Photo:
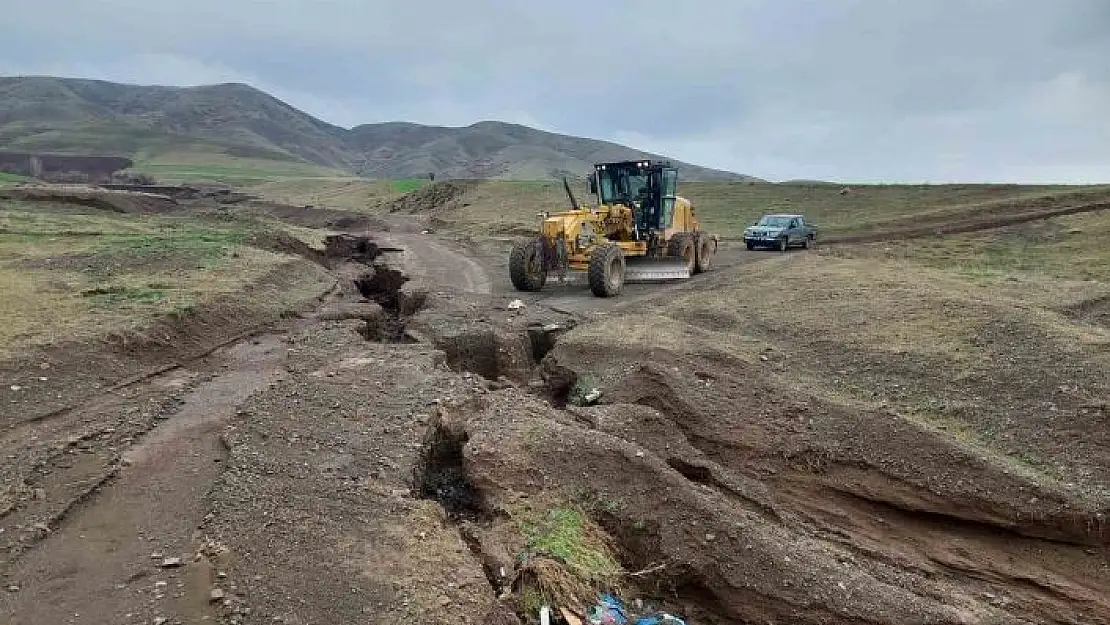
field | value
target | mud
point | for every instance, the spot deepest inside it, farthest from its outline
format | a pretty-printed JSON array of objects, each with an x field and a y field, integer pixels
[
  {"x": 313, "y": 217},
  {"x": 151, "y": 505},
  {"x": 1094, "y": 311}
]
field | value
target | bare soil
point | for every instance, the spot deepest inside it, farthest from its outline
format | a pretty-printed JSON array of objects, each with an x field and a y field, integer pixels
[{"x": 372, "y": 455}]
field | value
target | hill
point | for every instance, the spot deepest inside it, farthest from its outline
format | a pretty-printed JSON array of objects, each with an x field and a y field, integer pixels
[{"x": 240, "y": 126}]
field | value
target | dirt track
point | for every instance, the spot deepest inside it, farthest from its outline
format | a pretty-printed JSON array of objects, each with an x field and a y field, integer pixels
[{"x": 288, "y": 456}]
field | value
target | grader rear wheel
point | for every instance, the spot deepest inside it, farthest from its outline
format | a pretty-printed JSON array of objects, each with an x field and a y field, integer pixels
[
  {"x": 682, "y": 246},
  {"x": 526, "y": 265},
  {"x": 706, "y": 247},
  {"x": 606, "y": 271}
]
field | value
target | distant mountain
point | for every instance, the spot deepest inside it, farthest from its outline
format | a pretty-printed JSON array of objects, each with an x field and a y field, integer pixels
[{"x": 90, "y": 117}]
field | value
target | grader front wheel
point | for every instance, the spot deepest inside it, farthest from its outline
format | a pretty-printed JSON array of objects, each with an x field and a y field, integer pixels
[
  {"x": 706, "y": 247},
  {"x": 526, "y": 266},
  {"x": 682, "y": 247},
  {"x": 606, "y": 271}
]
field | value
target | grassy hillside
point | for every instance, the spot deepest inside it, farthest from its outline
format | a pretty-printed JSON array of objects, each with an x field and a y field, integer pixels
[{"x": 171, "y": 130}]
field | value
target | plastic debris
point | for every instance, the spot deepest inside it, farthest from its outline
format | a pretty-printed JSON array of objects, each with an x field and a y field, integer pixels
[
  {"x": 608, "y": 611},
  {"x": 515, "y": 305},
  {"x": 592, "y": 396},
  {"x": 660, "y": 618}
]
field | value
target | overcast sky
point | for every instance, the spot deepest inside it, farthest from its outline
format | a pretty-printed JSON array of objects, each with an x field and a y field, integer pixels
[{"x": 864, "y": 90}]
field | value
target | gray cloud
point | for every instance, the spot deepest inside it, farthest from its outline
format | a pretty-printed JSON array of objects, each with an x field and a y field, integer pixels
[{"x": 853, "y": 89}]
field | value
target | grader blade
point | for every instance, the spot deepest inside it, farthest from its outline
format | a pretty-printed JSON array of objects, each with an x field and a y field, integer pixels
[{"x": 654, "y": 270}]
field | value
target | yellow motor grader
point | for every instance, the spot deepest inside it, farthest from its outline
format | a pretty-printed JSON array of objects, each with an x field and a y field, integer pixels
[{"x": 640, "y": 231}]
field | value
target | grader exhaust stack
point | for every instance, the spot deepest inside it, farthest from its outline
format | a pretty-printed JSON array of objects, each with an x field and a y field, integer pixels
[{"x": 640, "y": 231}]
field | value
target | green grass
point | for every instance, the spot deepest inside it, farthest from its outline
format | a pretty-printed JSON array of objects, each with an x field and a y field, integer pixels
[
  {"x": 6, "y": 178},
  {"x": 408, "y": 185},
  {"x": 183, "y": 240},
  {"x": 562, "y": 535}
]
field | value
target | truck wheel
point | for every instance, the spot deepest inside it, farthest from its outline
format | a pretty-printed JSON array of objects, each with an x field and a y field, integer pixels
[
  {"x": 705, "y": 249},
  {"x": 526, "y": 266},
  {"x": 805, "y": 243},
  {"x": 606, "y": 270},
  {"x": 784, "y": 243},
  {"x": 682, "y": 246},
  {"x": 751, "y": 246}
]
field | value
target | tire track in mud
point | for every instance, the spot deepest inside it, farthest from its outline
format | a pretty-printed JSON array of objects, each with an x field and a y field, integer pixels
[
  {"x": 97, "y": 560},
  {"x": 963, "y": 226}
]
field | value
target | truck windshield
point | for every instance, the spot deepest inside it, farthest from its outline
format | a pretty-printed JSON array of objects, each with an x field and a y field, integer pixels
[{"x": 775, "y": 221}]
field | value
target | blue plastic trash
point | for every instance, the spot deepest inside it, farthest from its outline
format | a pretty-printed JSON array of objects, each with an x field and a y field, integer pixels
[{"x": 608, "y": 611}]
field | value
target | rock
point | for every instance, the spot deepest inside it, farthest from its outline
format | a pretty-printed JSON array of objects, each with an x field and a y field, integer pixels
[
  {"x": 13, "y": 588},
  {"x": 411, "y": 298},
  {"x": 39, "y": 494},
  {"x": 160, "y": 620},
  {"x": 171, "y": 563},
  {"x": 217, "y": 594},
  {"x": 515, "y": 305}
]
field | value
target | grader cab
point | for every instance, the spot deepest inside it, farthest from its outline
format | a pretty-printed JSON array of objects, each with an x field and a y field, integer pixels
[{"x": 639, "y": 231}]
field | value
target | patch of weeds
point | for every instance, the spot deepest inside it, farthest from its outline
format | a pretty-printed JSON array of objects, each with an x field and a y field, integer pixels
[
  {"x": 205, "y": 244},
  {"x": 581, "y": 389},
  {"x": 566, "y": 535},
  {"x": 182, "y": 311},
  {"x": 116, "y": 295},
  {"x": 533, "y": 599},
  {"x": 408, "y": 185}
]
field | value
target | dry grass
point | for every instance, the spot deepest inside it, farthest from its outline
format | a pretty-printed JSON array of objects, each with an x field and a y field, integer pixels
[
  {"x": 727, "y": 208},
  {"x": 944, "y": 333},
  {"x": 1071, "y": 249},
  {"x": 510, "y": 207},
  {"x": 352, "y": 194},
  {"x": 185, "y": 165},
  {"x": 67, "y": 275}
]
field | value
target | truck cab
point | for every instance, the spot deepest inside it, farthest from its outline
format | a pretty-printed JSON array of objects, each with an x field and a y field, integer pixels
[{"x": 780, "y": 231}]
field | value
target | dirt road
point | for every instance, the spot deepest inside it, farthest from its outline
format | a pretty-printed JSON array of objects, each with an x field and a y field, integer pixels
[{"x": 575, "y": 297}]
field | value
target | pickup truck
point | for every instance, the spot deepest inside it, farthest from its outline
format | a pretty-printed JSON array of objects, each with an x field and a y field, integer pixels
[{"x": 780, "y": 232}]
